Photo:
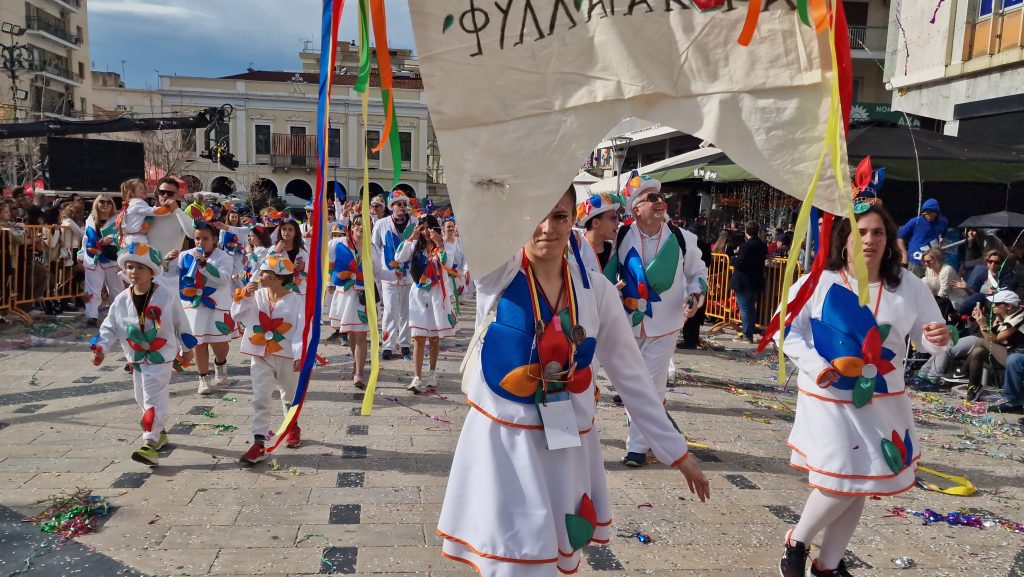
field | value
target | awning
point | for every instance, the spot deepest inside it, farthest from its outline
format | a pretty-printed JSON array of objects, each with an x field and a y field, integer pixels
[{"x": 668, "y": 170}]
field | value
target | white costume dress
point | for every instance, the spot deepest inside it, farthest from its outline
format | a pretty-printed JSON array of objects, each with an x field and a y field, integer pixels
[
  {"x": 206, "y": 294},
  {"x": 273, "y": 340},
  {"x": 838, "y": 444},
  {"x": 301, "y": 262},
  {"x": 100, "y": 264},
  {"x": 348, "y": 307},
  {"x": 151, "y": 349},
  {"x": 232, "y": 241},
  {"x": 395, "y": 290},
  {"x": 508, "y": 496},
  {"x": 431, "y": 312},
  {"x": 659, "y": 276}
]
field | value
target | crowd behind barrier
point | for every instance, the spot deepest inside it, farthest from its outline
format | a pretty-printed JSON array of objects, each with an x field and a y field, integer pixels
[
  {"x": 721, "y": 303},
  {"x": 40, "y": 265}
]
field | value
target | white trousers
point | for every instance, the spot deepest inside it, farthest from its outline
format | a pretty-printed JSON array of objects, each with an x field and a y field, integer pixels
[
  {"x": 153, "y": 390},
  {"x": 95, "y": 279},
  {"x": 396, "y": 316},
  {"x": 657, "y": 353},
  {"x": 270, "y": 374}
]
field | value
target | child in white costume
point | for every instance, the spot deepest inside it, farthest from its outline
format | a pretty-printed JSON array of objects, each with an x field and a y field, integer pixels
[
  {"x": 148, "y": 320},
  {"x": 136, "y": 215},
  {"x": 273, "y": 317},
  {"x": 512, "y": 506},
  {"x": 854, "y": 429},
  {"x": 99, "y": 257},
  {"x": 289, "y": 241},
  {"x": 431, "y": 315},
  {"x": 205, "y": 287}
]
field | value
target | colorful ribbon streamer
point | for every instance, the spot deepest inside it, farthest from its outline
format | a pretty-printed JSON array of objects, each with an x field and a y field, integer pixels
[{"x": 330, "y": 19}]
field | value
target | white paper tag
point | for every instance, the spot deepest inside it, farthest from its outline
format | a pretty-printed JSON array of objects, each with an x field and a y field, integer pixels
[{"x": 559, "y": 423}]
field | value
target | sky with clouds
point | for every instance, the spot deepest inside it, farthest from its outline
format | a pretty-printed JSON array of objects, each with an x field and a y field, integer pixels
[{"x": 215, "y": 37}]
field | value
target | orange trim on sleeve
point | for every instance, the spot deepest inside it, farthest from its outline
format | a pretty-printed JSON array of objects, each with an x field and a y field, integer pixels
[
  {"x": 839, "y": 402},
  {"x": 495, "y": 557},
  {"x": 685, "y": 456}
]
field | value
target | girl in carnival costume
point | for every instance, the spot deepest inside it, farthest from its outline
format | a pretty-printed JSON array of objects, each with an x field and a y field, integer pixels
[
  {"x": 232, "y": 235},
  {"x": 257, "y": 248},
  {"x": 527, "y": 487},
  {"x": 854, "y": 429},
  {"x": 99, "y": 257},
  {"x": 148, "y": 320},
  {"x": 459, "y": 272},
  {"x": 204, "y": 284},
  {"x": 273, "y": 317},
  {"x": 136, "y": 215},
  {"x": 290, "y": 242},
  {"x": 348, "y": 309},
  {"x": 430, "y": 305}
]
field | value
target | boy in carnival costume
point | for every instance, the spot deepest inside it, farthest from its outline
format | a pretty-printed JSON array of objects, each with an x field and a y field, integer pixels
[
  {"x": 273, "y": 317},
  {"x": 148, "y": 320}
]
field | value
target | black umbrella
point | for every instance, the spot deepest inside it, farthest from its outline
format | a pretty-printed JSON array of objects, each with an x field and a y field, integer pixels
[{"x": 1001, "y": 219}]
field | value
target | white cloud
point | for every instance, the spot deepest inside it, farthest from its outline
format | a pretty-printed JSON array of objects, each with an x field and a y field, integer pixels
[{"x": 141, "y": 9}]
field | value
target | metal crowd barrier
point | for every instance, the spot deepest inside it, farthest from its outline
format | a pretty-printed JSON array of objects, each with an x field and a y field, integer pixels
[
  {"x": 721, "y": 303},
  {"x": 36, "y": 269}
]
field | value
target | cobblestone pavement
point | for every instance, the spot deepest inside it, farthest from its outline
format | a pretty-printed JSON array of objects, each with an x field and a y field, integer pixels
[{"x": 362, "y": 494}]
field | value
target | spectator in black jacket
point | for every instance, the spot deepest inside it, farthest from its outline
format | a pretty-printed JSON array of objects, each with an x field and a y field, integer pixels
[{"x": 747, "y": 279}]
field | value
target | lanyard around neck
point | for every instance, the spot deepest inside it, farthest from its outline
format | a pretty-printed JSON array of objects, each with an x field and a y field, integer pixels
[{"x": 878, "y": 299}]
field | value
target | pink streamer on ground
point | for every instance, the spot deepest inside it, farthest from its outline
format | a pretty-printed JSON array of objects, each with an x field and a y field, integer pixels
[{"x": 431, "y": 417}]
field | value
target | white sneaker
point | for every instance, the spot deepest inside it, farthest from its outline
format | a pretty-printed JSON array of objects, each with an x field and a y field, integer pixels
[
  {"x": 220, "y": 375},
  {"x": 417, "y": 386},
  {"x": 204, "y": 385},
  {"x": 431, "y": 381}
]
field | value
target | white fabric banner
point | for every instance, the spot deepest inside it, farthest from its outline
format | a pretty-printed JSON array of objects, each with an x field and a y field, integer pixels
[{"x": 520, "y": 91}]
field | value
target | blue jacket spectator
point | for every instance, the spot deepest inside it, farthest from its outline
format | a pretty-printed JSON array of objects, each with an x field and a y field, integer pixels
[{"x": 921, "y": 233}]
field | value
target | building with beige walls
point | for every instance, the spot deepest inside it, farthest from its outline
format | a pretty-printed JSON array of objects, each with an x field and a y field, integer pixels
[{"x": 53, "y": 80}]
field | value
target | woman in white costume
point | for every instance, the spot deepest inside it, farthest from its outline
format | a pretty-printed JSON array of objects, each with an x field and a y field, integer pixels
[
  {"x": 99, "y": 257},
  {"x": 854, "y": 429},
  {"x": 431, "y": 313},
  {"x": 514, "y": 507}
]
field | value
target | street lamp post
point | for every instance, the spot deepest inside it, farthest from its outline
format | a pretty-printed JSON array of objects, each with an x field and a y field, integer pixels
[
  {"x": 619, "y": 142},
  {"x": 14, "y": 57}
]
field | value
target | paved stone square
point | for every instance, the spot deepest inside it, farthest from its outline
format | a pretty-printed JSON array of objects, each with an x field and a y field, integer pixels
[{"x": 362, "y": 494}]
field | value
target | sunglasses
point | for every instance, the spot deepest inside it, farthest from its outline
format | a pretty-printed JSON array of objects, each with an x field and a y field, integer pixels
[
  {"x": 653, "y": 197},
  {"x": 104, "y": 202},
  {"x": 166, "y": 192}
]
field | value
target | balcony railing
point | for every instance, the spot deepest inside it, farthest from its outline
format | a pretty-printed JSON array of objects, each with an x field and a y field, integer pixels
[
  {"x": 53, "y": 28},
  {"x": 73, "y": 5},
  {"x": 869, "y": 38},
  {"x": 293, "y": 150},
  {"x": 58, "y": 71}
]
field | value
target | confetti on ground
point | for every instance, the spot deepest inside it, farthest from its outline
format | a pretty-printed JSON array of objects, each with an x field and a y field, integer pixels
[
  {"x": 69, "y": 516},
  {"x": 431, "y": 417}
]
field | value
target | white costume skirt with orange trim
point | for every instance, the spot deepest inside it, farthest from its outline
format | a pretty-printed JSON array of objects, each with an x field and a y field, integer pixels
[
  {"x": 346, "y": 311},
  {"x": 840, "y": 446},
  {"x": 508, "y": 495},
  {"x": 210, "y": 325},
  {"x": 431, "y": 313}
]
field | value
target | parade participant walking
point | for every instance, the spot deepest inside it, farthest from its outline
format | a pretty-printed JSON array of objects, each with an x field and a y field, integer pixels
[
  {"x": 348, "y": 308},
  {"x": 920, "y": 234},
  {"x": 151, "y": 326},
  {"x": 273, "y": 317},
  {"x": 664, "y": 281},
  {"x": 256, "y": 249},
  {"x": 430, "y": 306},
  {"x": 747, "y": 279},
  {"x": 599, "y": 217},
  {"x": 517, "y": 503},
  {"x": 854, "y": 429},
  {"x": 168, "y": 235},
  {"x": 388, "y": 233},
  {"x": 290, "y": 243},
  {"x": 99, "y": 257},
  {"x": 137, "y": 216},
  {"x": 205, "y": 286},
  {"x": 231, "y": 238},
  {"x": 377, "y": 210},
  {"x": 458, "y": 270}
]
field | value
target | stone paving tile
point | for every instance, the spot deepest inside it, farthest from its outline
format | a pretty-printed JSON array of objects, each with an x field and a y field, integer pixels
[
  {"x": 191, "y": 562},
  {"x": 364, "y": 535}
]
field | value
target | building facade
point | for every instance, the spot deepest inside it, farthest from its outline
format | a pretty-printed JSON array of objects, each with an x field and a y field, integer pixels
[
  {"x": 963, "y": 66},
  {"x": 46, "y": 54}
]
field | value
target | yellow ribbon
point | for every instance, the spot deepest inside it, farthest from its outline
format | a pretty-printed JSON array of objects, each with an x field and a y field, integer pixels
[
  {"x": 369, "y": 287},
  {"x": 963, "y": 486}
]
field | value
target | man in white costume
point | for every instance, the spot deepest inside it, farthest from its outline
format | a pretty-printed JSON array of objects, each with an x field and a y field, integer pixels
[
  {"x": 388, "y": 233},
  {"x": 663, "y": 282}
]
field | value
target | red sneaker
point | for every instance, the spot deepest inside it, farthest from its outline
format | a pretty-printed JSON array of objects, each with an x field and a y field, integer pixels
[
  {"x": 255, "y": 454},
  {"x": 293, "y": 438}
]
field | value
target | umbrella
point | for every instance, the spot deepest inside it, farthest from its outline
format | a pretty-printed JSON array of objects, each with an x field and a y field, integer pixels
[{"x": 1001, "y": 219}]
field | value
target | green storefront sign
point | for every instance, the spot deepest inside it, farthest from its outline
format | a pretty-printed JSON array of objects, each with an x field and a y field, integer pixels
[{"x": 865, "y": 111}]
